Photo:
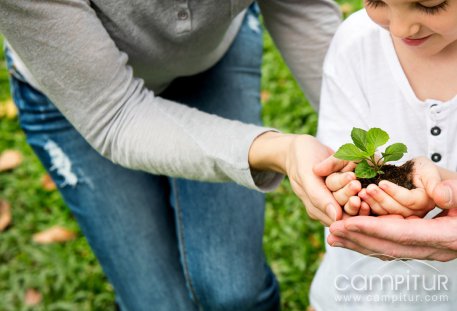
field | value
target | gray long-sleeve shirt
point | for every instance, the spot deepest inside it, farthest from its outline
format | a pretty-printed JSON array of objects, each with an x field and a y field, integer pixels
[{"x": 104, "y": 62}]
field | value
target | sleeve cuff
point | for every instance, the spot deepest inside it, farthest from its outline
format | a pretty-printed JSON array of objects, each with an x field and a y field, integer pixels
[{"x": 263, "y": 181}]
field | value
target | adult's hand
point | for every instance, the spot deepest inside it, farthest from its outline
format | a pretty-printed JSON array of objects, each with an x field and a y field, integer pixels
[
  {"x": 432, "y": 239},
  {"x": 295, "y": 156}
]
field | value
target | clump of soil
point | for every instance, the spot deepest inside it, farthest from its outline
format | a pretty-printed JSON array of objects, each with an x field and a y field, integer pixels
[{"x": 400, "y": 175}]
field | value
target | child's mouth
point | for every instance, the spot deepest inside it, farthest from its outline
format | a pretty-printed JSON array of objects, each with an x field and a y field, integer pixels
[{"x": 415, "y": 42}]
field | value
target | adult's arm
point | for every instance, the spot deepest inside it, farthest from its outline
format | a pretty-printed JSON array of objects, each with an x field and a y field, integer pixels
[
  {"x": 343, "y": 105},
  {"x": 79, "y": 67},
  {"x": 302, "y": 31},
  {"x": 431, "y": 239},
  {"x": 302, "y": 153}
]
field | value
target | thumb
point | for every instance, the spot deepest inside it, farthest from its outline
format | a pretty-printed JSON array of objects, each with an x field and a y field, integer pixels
[
  {"x": 429, "y": 178},
  {"x": 332, "y": 165},
  {"x": 445, "y": 194}
]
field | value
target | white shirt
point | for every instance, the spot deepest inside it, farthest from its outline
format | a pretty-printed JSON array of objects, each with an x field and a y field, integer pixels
[{"x": 364, "y": 86}]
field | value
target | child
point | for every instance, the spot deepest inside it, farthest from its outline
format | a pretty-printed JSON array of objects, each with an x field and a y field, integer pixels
[{"x": 391, "y": 66}]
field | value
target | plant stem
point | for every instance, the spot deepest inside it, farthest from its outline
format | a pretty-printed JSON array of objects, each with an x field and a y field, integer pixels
[{"x": 373, "y": 161}]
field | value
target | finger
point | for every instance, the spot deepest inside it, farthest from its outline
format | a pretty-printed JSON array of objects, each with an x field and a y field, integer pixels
[
  {"x": 316, "y": 214},
  {"x": 352, "y": 189},
  {"x": 319, "y": 198},
  {"x": 332, "y": 165},
  {"x": 370, "y": 245},
  {"x": 449, "y": 212},
  {"x": 350, "y": 167},
  {"x": 319, "y": 194},
  {"x": 392, "y": 216},
  {"x": 335, "y": 241},
  {"x": 364, "y": 209},
  {"x": 307, "y": 185},
  {"x": 414, "y": 199},
  {"x": 385, "y": 249},
  {"x": 445, "y": 194},
  {"x": 374, "y": 206},
  {"x": 401, "y": 194},
  {"x": 345, "y": 216},
  {"x": 337, "y": 181},
  {"x": 425, "y": 174},
  {"x": 417, "y": 232},
  {"x": 382, "y": 200},
  {"x": 352, "y": 207},
  {"x": 337, "y": 238}
]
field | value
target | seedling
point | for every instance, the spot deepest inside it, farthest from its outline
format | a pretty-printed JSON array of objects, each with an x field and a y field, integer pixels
[{"x": 364, "y": 151}]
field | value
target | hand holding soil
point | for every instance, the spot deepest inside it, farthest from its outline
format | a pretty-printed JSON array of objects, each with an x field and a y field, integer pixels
[
  {"x": 432, "y": 239},
  {"x": 376, "y": 188}
]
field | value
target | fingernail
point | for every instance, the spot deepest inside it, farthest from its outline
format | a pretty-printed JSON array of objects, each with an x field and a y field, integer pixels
[
  {"x": 330, "y": 209},
  {"x": 372, "y": 189},
  {"x": 352, "y": 228},
  {"x": 383, "y": 184}
]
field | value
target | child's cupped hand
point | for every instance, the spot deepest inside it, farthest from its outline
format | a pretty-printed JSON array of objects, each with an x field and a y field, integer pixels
[
  {"x": 345, "y": 188},
  {"x": 387, "y": 198},
  {"x": 341, "y": 181}
]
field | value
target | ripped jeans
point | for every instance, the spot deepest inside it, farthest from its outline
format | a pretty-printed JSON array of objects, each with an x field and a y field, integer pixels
[{"x": 165, "y": 243}]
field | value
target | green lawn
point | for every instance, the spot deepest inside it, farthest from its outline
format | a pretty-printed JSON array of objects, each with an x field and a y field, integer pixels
[{"x": 68, "y": 276}]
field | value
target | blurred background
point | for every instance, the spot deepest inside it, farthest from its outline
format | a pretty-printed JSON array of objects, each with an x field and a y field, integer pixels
[{"x": 45, "y": 261}]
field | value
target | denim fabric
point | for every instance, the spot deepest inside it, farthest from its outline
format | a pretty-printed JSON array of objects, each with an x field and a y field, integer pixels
[{"x": 166, "y": 243}]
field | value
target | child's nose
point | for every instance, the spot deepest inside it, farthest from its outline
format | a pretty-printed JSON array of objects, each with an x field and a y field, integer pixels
[{"x": 403, "y": 26}]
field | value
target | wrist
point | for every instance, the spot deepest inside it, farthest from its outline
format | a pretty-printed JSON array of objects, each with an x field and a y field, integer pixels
[{"x": 268, "y": 152}]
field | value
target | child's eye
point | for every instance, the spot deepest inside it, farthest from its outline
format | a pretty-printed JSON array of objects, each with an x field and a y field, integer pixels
[
  {"x": 374, "y": 3},
  {"x": 432, "y": 9}
]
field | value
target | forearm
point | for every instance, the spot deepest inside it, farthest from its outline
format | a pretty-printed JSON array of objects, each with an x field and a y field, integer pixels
[
  {"x": 268, "y": 152},
  {"x": 81, "y": 70}
]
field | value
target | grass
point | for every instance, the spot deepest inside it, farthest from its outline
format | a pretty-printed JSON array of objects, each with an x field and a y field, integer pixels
[{"x": 68, "y": 275}]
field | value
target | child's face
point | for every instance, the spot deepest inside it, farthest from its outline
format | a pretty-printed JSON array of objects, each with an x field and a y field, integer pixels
[{"x": 428, "y": 27}]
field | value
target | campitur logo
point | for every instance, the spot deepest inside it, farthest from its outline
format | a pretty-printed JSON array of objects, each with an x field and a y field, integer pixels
[{"x": 399, "y": 280}]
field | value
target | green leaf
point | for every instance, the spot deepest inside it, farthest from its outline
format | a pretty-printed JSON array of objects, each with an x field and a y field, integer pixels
[
  {"x": 350, "y": 152},
  {"x": 365, "y": 170},
  {"x": 359, "y": 137},
  {"x": 394, "y": 152},
  {"x": 376, "y": 138}
]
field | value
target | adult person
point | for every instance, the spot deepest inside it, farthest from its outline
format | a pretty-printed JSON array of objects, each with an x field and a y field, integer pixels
[{"x": 160, "y": 88}]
